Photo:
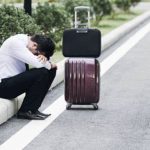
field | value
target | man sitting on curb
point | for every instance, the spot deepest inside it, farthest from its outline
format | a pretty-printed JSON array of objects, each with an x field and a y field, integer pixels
[{"x": 16, "y": 53}]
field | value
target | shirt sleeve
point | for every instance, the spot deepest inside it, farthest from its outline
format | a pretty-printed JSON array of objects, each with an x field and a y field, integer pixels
[{"x": 22, "y": 53}]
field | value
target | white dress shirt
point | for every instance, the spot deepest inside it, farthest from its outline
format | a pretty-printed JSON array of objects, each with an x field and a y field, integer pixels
[{"x": 14, "y": 54}]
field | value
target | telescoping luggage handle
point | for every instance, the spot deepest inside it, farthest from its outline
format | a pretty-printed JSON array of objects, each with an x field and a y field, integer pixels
[
  {"x": 81, "y": 42},
  {"x": 77, "y": 23}
]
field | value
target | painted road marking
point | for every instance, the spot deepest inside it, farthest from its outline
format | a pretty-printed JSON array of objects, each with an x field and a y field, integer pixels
[{"x": 25, "y": 135}]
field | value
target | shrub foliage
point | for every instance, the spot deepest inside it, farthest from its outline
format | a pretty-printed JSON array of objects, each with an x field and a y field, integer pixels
[
  {"x": 52, "y": 19},
  {"x": 14, "y": 21}
]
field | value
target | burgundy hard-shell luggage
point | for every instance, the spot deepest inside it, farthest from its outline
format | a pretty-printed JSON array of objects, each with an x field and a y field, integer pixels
[{"x": 82, "y": 82}]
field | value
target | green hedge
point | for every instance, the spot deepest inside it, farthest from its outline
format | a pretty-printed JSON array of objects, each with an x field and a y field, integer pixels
[
  {"x": 125, "y": 4},
  {"x": 14, "y": 21},
  {"x": 101, "y": 8},
  {"x": 52, "y": 19}
]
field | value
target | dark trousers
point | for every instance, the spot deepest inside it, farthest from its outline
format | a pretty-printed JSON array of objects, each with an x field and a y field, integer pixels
[{"x": 35, "y": 83}]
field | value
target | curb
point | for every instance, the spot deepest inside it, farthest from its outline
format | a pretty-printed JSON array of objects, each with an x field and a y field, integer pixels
[
  {"x": 8, "y": 108},
  {"x": 119, "y": 32}
]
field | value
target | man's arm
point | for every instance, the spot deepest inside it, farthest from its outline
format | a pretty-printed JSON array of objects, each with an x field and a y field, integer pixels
[
  {"x": 21, "y": 52},
  {"x": 43, "y": 59}
]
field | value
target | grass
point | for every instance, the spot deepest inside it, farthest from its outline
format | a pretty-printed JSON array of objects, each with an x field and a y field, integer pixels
[
  {"x": 107, "y": 24},
  {"x": 57, "y": 56}
]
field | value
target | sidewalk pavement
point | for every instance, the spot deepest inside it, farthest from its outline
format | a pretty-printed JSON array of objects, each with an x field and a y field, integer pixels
[{"x": 8, "y": 108}]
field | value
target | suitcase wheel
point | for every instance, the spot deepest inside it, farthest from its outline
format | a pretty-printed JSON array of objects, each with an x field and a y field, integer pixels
[
  {"x": 95, "y": 106},
  {"x": 68, "y": 107}
]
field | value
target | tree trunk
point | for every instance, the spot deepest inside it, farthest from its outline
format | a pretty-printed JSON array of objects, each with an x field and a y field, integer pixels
[{"x": 27, "y": 6}]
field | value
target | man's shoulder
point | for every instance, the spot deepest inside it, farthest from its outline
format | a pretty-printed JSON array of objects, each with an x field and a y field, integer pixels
[{"x": 20, "y": 36}]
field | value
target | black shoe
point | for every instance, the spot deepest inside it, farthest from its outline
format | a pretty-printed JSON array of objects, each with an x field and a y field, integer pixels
[
  {"x": 42, "y": 114},
  {"x": 30, "y": 116}
]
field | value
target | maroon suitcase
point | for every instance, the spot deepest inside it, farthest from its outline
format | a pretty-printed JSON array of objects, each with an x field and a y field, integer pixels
[{"x": 82, "y": 82}]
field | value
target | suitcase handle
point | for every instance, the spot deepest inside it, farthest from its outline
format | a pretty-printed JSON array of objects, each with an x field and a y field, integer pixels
[
  {"x": 82, "y": 30},
  {"x": 81, "y": 8}
]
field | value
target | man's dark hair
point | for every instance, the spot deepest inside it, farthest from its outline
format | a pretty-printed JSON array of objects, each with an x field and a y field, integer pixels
[{"x": 45, "y": 45}]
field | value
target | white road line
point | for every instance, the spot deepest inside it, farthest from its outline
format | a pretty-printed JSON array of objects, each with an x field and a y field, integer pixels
[
  {"x": 25, "y": 135},
  {"x": 123, "y": 49}
]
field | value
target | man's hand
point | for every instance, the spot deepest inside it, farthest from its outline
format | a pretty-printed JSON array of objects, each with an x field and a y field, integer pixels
[
  {"x": 53, "y": 66},
  {"x": 42, "y": 58}
]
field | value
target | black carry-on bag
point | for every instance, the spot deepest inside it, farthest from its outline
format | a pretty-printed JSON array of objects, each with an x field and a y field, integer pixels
[
  {"x": 82, "y": 70},
  {"x": 82, "y": 41}
]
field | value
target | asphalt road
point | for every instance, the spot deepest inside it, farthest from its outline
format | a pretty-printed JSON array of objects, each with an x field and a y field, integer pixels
[{"x": 121, "y": 123}]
